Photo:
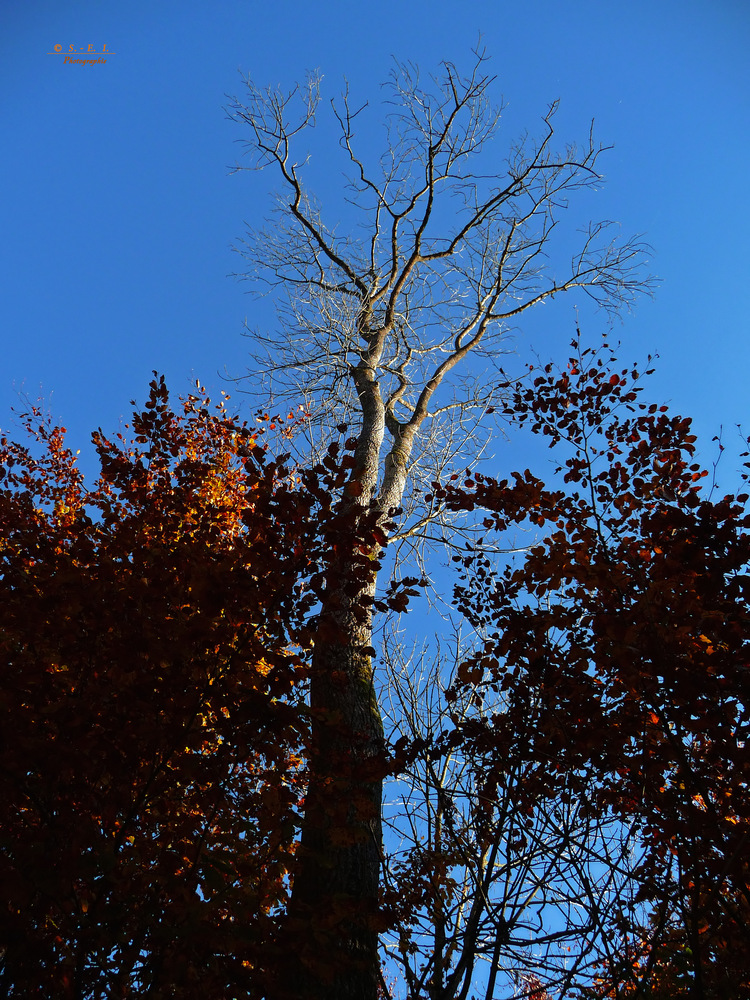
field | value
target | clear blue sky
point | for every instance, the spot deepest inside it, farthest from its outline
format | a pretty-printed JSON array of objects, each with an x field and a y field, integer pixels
[{"x": 119, "y": 210}]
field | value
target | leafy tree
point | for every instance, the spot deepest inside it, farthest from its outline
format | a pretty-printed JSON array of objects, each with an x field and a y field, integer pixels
[
  {"x": 152, "y": 759},
  {"x": 601, "y": 725}
]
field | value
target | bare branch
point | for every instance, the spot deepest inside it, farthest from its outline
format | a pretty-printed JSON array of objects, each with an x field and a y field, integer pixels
[{"x": 428, "y": 262}]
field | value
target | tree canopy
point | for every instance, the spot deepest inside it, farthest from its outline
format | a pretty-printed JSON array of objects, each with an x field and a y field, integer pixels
[
  {"x": 573, "y": 803},
  {"x": 151, "y": 760},
  {"x": 609, "y": 696}
]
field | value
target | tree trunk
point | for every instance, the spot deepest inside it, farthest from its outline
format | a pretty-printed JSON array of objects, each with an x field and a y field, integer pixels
[
  {"x": 333, "y": 915},
  {"x": 335, "y": 896}
]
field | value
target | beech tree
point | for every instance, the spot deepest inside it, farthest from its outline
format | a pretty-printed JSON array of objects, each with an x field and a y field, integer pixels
[
  {"x": 152, "y": 759},
  {"x": 390, "y": 319},
  {"x": 602, "y": 817}
]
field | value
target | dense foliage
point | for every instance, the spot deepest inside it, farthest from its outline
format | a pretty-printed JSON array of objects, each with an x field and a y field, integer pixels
[
  {"x": 575, "y": 812},
  {"x": 151, "y": 759}
]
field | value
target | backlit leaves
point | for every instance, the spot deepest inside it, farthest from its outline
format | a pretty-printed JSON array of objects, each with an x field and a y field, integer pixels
[
  {"x": 152, "y": 630},
  {"x": 621, "y": 644}
]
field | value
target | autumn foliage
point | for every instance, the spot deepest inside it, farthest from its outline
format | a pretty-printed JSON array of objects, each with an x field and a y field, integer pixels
[
  {"x": 619, "y": 646},
  {"x": 152, "y": 680},
  {"x": 156, "y": 633}
]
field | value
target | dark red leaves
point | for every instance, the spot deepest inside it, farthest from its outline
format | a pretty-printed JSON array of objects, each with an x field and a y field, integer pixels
[
  {"x": 152, "y": 631},
  {"x": 622, "y": 652}
]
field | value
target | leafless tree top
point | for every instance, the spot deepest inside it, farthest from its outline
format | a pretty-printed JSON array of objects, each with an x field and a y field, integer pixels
[{"x": 443, "y": 244}]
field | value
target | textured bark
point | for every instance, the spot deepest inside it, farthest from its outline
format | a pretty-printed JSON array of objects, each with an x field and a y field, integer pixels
[
  {"x": 335, "y": 896},
  {"x": 336, "y": 890}
]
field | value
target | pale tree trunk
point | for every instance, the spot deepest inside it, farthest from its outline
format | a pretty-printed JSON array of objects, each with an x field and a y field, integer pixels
[{"x": 334, "y": 907}]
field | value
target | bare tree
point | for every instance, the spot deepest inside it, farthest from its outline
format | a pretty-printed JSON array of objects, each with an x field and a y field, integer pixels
[
  {"x": 508, "y": 898},
  {"x": 396, "y": 326}
]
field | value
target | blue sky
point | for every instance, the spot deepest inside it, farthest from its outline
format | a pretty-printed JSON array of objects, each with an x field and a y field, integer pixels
[{"x": 119, "y": 208}]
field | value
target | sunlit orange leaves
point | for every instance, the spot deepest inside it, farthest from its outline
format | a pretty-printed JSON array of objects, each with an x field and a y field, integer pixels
[{"x": 152, "y": 630}]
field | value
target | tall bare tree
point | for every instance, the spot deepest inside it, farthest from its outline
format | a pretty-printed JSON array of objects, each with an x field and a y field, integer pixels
[{"x": 393, "y": 320}]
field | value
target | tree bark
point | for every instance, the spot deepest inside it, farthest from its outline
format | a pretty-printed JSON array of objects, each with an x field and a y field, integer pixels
[
  {"x": 335, "y": 897},
  {"x": 334, "y": 903},
  {"x": 335, "y": 894}
]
